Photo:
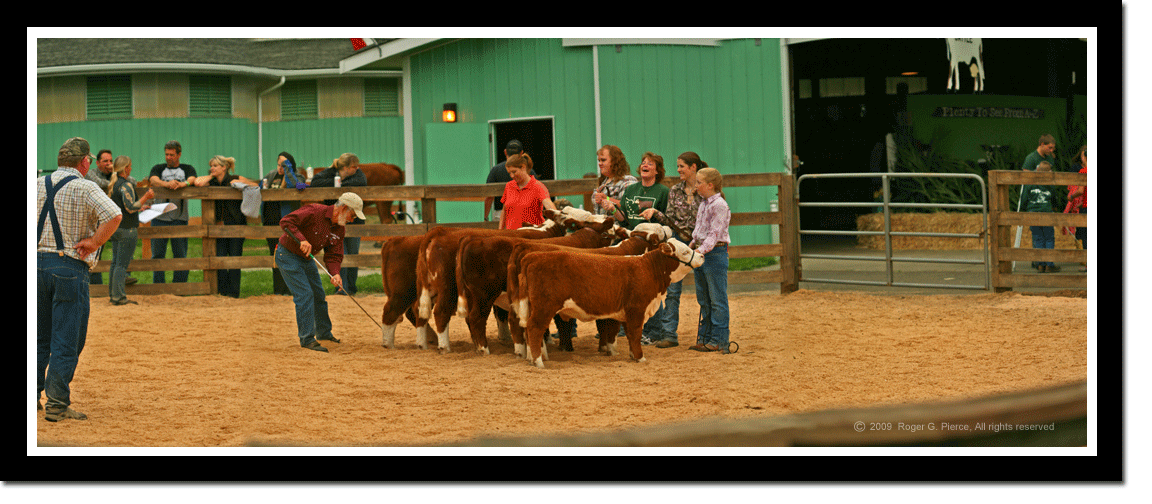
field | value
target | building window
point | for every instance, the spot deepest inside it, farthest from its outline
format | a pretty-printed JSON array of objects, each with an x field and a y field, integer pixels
[
  {"x": 381, "y": 97},
  {"x": 842, "y": 86},
  {"x": 110, "y": 97},
  {"x": 915, "y": 84},
  {"x": 298, "y": 100},
  {"x": 210, "y": 96}
]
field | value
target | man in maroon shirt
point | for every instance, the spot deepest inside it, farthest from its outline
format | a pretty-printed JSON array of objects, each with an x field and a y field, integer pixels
[{"x": 312, "y": 228}]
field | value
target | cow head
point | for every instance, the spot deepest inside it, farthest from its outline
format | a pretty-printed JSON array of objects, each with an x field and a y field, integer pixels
[
  {"x": 654, "y": 233},
  {"x": 574, "y": 218},
  {"x": 687, "y": 258}
]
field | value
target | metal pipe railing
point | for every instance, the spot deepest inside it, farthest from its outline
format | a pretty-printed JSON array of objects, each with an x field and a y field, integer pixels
[{"x": 887, "y": 206}]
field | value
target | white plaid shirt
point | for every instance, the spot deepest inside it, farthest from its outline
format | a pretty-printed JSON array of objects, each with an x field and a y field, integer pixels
[{"x": 81, "y": 208}]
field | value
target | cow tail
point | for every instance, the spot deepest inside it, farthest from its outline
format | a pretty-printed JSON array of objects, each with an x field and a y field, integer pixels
[
  {"x": 522, "y": 303},
  {"x": 424, "y": 305},
  {"x": 461, "y": 285},
  {"x": 385, "y": 250},
  {"x": 513, "y": 281}
]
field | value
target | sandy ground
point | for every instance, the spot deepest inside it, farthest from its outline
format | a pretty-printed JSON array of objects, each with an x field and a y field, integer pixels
[{"x": 215, "y": 371}]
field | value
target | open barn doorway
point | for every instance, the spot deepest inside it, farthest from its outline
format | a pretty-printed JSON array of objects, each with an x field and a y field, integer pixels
[{"x": 535, "y": 133}]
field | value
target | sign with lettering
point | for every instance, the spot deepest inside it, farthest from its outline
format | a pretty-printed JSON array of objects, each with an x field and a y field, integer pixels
[{"x": 990, "y": 112}]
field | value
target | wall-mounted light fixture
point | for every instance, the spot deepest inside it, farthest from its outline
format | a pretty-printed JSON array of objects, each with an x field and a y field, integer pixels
[{"x": 449, "y": 112}]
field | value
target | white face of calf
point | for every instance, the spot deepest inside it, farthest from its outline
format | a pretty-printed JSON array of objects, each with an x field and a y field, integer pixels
[
  {"x": 687, "y": 257},
  {"x": 579, "y": 215},
  {"x": 645, "y": 229}
]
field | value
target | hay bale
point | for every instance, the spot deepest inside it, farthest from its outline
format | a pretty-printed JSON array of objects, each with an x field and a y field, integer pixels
[{"x": 939, "y": 222}]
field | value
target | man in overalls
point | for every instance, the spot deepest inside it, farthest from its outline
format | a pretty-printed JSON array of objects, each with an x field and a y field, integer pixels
[{"x": 74, "y": 218}]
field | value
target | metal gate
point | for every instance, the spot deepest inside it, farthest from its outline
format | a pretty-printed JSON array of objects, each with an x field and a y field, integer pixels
[{"x": 887, "y": 204}]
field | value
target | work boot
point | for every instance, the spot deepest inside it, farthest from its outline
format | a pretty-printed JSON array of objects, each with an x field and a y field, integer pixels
[
  {"x": 328, "y": 338},
  {"x": 64, "y": 414},
  {"x": 314, "y": 345}
]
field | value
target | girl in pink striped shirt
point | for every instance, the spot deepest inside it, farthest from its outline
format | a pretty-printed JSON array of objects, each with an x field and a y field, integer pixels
[{"x": 710, "y": 239}]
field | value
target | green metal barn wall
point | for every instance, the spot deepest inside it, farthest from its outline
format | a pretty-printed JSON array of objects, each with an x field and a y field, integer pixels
[
  {"x": 723, "y": 102},
  {"x": 311, "y": 142}
]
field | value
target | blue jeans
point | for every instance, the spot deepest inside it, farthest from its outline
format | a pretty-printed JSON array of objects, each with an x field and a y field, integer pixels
[
  {"x": 303, "y": 281},
  {"x": 1043, "y": 237},
  {"x": 712, "y": 294},
  {"x": 123, "y": 243},
  {"x": 160, "y": 249},
  {"x": 228, "y": 281},
  {"x": 1082, "y": 231},
  {"x": 348, "y": 275},
  {"x": 666, "y": 321},
  {"x": 62, "y": 307}
]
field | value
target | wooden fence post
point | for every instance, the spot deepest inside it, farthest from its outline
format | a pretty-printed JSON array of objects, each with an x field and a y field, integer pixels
[{"x": 789, "y": 234}]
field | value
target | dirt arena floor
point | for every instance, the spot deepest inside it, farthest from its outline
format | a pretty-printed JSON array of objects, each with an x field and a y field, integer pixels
[{"x": 215, "y": 371}]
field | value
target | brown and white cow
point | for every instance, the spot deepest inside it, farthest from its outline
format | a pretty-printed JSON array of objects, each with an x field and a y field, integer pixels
[
  {"x": 436, "y": 262},
  {"x": 482, "y": 274},
  {"x": 627, "y": 288},
  {"x": 398, "y": 269},
  {"x": 643, "y": 238},
  {"x": 436, "y": 270}
]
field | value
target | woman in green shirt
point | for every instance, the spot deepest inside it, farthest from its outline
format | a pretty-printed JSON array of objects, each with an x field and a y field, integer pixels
[{"x": 649, "y": 193}]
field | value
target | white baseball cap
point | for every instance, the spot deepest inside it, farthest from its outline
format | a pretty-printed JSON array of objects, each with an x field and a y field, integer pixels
[{"x": 353, "y": 201}]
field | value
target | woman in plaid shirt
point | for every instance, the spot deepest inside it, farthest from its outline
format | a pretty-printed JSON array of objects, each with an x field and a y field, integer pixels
[
  {"x": 683, "y": 203},
  {"x": 615, "y": 175}
]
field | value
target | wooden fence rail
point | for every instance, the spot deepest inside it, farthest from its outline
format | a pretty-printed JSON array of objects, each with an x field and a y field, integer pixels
[
  {"x": 1053, "y": 416},
  {"x": 787, "y": 250},
  {"x": 1001, "y": 218}
]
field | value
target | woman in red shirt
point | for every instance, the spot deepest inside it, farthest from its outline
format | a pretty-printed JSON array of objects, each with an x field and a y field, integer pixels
[{"x": 524, "y": 197}]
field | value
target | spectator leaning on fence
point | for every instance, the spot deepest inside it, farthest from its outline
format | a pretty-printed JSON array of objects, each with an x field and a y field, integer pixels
[
  {"x": 1038, "y": 198},
  {"x": 123, "y": 241},
  {"x": 173, "y": 175},
  {"x": 227, "y": 213},
  {"x": 101, "y": 176},
  {"x": 283, "y": 177},
  {"x": 347, "y": 168}
]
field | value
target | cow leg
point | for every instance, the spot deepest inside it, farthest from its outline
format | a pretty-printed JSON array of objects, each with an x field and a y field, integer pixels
[
  {"x": 607, "y": 329},
  {"x": 534, "y": 351},
  {"x": 634, "y": 327},
  {"x": 421, "y": 327},
  {"x": 517, "y": 334},
  {"x": 477, "y": 320},
  {"x": 388, "y": 332},
  {"x": 391, "y": 317},
  {"x": 537, "y": 326},
  {"x": 440, "y": 325},
  {"x": 502, "y": 323}
]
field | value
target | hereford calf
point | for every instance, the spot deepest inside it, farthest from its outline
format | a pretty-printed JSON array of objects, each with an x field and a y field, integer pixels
[
  {"x": 628, "y": 289},
  {"x": 436, "y": 270},
  {"x": 643, "y": 238},
  {"x": 482, "y": 274},
  {"x": 398, "y": 269}
]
